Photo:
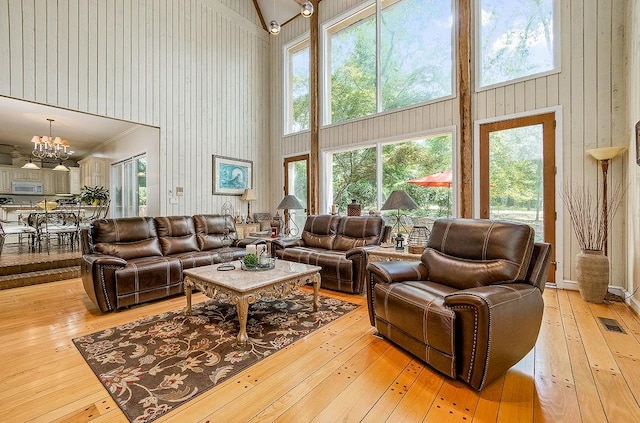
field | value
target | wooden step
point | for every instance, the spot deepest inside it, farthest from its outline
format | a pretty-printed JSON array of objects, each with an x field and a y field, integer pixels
[
  {"x": 42, "y": 263},
  {"x": 39, "y": 276}
]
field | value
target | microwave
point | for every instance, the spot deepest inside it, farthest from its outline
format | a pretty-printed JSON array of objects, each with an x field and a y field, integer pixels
[{"x": 19, "y": 187}]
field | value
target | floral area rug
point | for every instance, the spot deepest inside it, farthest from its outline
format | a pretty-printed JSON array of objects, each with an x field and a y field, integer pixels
[{"x": 155, "y": 364}]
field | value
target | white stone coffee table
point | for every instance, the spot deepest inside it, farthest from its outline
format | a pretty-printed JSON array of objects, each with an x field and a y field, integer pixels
[{"x": 243, "y": 287}]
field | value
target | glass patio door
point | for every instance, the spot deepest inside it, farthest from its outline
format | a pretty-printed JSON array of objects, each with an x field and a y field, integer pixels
[
  {"x": 517, "y": 174},
  {"x": 129, "y": 187}
]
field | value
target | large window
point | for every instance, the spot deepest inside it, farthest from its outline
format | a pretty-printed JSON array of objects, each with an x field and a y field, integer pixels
[
  {"x": 516, "y": 39},
  {"x": 410, "y": 63},
  {"x": 422, "y": 167},
  {"x": 297, "y": 98}
]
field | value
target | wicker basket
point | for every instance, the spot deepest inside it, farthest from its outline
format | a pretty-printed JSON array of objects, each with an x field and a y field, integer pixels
[{"x": 415, "y": 249}]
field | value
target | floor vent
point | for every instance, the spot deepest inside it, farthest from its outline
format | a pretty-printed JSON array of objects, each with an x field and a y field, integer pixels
[{"x": 611, "y": 325}]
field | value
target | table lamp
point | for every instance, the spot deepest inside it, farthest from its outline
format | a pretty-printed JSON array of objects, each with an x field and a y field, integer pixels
[
  {"x": 603, "y": 155},
  {"x": 399, "y": 200},
  {"x": 290, "y": 202},
  {"x": 248, "y": 195}
]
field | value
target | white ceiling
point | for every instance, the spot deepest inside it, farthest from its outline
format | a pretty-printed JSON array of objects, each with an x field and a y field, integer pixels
[
  {"x": 283, "y": 11},
  {"x": 21, "y": 120}
]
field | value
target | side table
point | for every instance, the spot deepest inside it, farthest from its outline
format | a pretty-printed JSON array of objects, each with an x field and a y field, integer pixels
[
  {"x": 243, "y": 229},
  {"x": 390, "y": 254}
]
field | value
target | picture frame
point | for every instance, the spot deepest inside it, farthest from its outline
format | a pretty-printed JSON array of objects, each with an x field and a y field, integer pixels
[
  {"x": 638, "y": 143},
  {"x": 231, "y": 176}
]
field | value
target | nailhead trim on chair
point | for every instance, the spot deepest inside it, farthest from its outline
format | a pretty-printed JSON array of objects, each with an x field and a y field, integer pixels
[{"x": 475, "y": 337}]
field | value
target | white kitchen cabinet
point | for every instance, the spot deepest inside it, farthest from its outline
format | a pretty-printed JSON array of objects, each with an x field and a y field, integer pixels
[
  {"x": 94, "y": 172},
  {"x": 31, "y": 175},
  {"x": 6, "y": 176},
  {"x": 74, "y": 181},
  {"x": 48, "y": 186},
  {"x": 61, "y": 182}
]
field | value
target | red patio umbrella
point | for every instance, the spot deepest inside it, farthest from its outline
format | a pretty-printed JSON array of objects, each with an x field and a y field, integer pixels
[{"x": 440, "y": 179}]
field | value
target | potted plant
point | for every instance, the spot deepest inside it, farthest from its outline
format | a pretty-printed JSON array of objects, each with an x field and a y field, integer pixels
[
  {"x": 94, "y": 195},
  {"x": 591, "y": 223}
]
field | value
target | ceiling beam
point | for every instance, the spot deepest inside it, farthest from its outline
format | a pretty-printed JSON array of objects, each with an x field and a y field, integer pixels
[{"x": 314, "y": 57}]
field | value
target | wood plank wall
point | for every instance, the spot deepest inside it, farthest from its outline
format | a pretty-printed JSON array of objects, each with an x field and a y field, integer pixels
[
  {"x": 589, "y": 89},
  {"x": 198, "y": 69},
  {"x": 632, "y": 81}
]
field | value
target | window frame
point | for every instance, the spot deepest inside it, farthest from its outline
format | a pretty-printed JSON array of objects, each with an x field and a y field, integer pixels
[
  {"x": 325, "y": 54},
  {"x": 326, "y": 164},
  {"x": 557, "y": 47},
  {"x": 292, "y": 47}
]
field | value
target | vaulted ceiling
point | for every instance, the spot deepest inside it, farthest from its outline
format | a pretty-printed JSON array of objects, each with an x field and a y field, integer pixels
[{"x": 280, "y": 10}]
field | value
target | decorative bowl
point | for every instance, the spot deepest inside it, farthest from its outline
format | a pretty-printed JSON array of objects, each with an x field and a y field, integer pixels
[
  {"x": 51, "y": 205},
  {"x": 267, "y": 264}
]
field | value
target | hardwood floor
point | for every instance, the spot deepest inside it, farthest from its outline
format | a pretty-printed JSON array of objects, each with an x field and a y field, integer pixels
[{"x": 577, "y": 372}]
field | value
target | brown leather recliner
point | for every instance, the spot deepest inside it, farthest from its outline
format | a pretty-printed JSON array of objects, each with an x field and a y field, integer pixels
[
  {"x": 472, "y": 306},
  {"x": 338, "y": 244},
  {"x": 132, "y": 260}
]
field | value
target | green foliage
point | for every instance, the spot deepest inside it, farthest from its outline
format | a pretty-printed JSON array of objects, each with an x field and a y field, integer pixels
[
  {"x": 90, "y": 194},
  {"x": 250, "y": 260}
]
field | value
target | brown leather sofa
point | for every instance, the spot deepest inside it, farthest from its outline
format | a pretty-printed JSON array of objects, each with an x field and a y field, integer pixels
[
  {"x": 332, "y": 242},
  {"x": 472, "y": 306},
  {"x": 129, "y": 261}
]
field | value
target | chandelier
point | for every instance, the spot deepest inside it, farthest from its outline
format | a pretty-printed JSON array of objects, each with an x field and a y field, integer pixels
[{"x": 47, "y": 147}]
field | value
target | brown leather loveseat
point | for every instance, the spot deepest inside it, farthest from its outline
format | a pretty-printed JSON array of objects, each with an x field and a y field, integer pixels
[
  {"x": 129, "y": 261},
  {"x": 332, "y": 242},
  {"x": 472, "y": 306}
]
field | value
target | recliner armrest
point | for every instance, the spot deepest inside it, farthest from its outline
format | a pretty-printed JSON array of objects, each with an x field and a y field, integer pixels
[
  {"x": 398, "y": 271},
  {"x": 287, "y": 242},
  {"x": 98, "y": 278},
  {"x": 391, "y": 272},
  {"x": 487, "y": 318},
  {"x": 241, "y": 243},
  {"x": 356, "y": 251}
]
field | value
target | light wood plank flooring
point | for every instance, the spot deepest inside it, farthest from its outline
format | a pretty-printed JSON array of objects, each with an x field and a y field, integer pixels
[{"x": 578, "y": 371}]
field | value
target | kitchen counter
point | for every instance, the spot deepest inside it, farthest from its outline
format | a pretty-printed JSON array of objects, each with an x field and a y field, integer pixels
[{"x": 12, "y": 212}]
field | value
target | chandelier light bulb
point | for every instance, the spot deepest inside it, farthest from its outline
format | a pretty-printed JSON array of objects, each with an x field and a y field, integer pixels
[
  {"x": 274, "y": 27},
  {"x": 307, "y": 9}
]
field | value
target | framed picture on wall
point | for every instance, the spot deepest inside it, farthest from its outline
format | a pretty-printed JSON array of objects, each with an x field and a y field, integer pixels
[
  {"x": 231, "y": 176},
  {"x": 638, "y": 143}
]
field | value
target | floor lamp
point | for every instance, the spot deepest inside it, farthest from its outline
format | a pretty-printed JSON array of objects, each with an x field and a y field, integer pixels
[
  {"x": 399, "y": 200},
  {"x": 604, "y": 155}
]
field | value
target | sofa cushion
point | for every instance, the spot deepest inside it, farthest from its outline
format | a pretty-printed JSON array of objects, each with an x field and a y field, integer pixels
[
  {"x": 124, "y": 229},
  {"x": 130, "y": 250},
  {"x": 177, "y": 234},
  {"x": 483, "y": 240},
  {"x": 191, "y": 259},
  {"x": 462, "y": 274},
  {"x": 147, "y": 273},
  {"x": 320, "y": 231},
  {"x": 358, "y": 231},
  {"x": 210, "y": 230},
  {"x": 418, "y": 308},
  {"x": 334, "y": 263}
]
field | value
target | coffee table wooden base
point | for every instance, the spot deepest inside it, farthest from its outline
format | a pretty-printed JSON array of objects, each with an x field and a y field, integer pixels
[{"x": 242, "y": 300}]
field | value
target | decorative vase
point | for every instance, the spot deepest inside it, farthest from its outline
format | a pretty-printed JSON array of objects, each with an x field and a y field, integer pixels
[
  {"x": 354, "y": 209},
  {"x": 592, "y": 274}
]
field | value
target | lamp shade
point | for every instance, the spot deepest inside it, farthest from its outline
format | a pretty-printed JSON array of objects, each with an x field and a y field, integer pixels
[
  {"x": 248, "y": 195},
  {"x": 290, "y": 202},
  {"x": 606, "y": 153},
  {"x": 399, "y": 200}
]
